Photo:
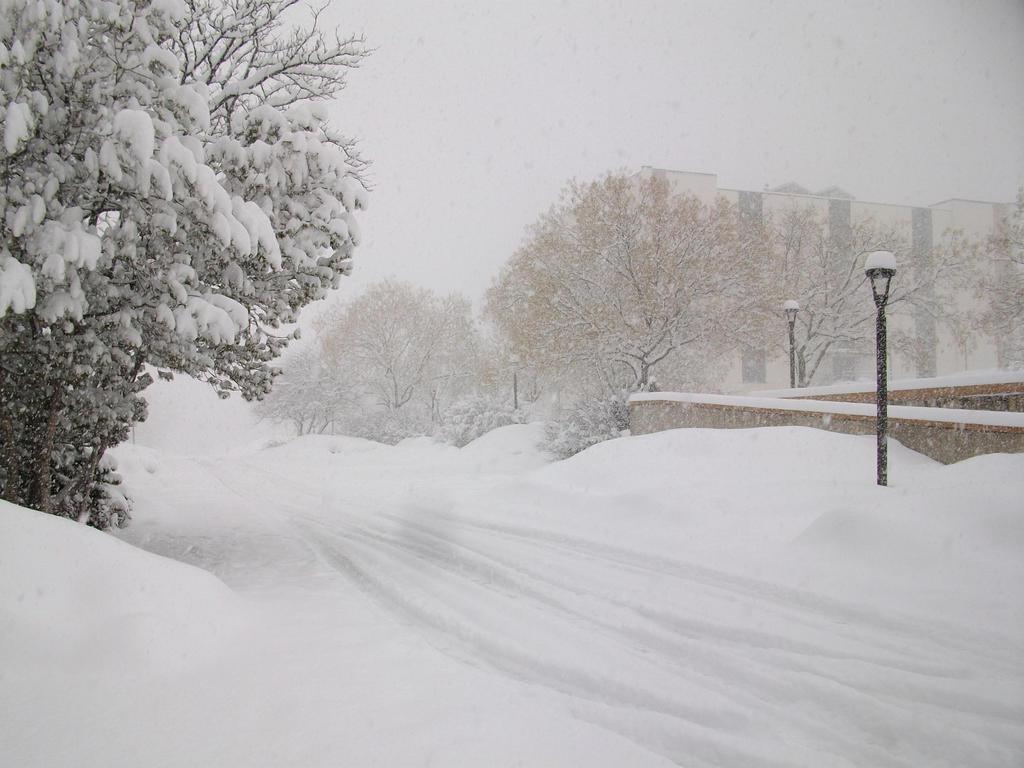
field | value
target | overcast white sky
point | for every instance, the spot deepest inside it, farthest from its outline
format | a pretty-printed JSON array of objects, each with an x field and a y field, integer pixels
[{"x": 475, "y": 114}]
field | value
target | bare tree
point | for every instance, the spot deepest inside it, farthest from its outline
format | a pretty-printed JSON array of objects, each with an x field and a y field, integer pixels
[
  {"x": 247, "y": 55},
  {"x": 624, "y": 278},
  {"x": 403, "y": 347},
  {"x": 311, "y": 394},
  {"x": 1002, "y": 285},
  {"x": 823, "y": 271}
]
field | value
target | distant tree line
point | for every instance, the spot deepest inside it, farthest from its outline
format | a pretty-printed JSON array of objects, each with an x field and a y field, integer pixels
[
  {"x": 625, "y": 285},
  {"x": 386, "y": 365}
]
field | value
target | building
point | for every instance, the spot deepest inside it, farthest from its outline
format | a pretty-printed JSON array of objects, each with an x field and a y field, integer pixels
[{"x": 921, "y": 227}]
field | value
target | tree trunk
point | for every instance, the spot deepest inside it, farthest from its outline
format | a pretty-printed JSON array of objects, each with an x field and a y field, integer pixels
[
  {"x": 12, "y": 489},
  {"x": 39, "y": 496},
  {"x": 86, "y": 480}
]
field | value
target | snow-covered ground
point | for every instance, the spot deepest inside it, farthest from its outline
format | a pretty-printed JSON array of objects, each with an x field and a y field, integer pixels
[{"x": 695, "y": 597}]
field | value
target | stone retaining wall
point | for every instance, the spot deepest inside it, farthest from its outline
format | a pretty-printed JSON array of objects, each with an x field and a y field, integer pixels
[
  {"x": 945, "y": 441},
  {"x": 989, "y": 391},
  {"x": 983, "y": 397}
]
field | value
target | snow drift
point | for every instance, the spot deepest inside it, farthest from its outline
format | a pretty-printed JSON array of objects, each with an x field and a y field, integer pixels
[
  {"x": 694, "y": 597},
  {"x": 70, "y": 595}
]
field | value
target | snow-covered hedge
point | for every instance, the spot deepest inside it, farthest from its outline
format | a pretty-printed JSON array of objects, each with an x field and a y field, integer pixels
[
  {"x": 474, "y": 416},
  {"x": 587, "y": 423},
  {"x": 389, "y": 427}
]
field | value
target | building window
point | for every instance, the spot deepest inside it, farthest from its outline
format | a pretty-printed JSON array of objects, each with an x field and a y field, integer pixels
[
  {"x": 754, "y": 366},
  {"x": 844, "y": 367}
]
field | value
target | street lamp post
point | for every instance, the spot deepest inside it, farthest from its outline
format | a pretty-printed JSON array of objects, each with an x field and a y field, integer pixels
[
  {"x": 515, "y": 382},
  {"x": 880, "y": 266},
  {"x": 791, "y": 308}
]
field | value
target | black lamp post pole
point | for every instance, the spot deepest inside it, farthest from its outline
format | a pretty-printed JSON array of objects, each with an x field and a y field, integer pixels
[
  {"x": 791, "y": 308},
  {"x": 792, "y": 353},
  {"x": 880, "y": 268},
  {"x": 882, "y": 419},
  {"x": 514, "y": 359}
]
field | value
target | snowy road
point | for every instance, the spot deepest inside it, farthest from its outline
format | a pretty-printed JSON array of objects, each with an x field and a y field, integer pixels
[
  {"x": 671, "y": 652},
  {"x": 693, "y": 664}
]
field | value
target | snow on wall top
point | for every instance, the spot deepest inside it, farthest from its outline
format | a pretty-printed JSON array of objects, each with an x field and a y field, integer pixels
[
  {"x": 964, "y": 379},
  {"x": 904, "y": 412}
]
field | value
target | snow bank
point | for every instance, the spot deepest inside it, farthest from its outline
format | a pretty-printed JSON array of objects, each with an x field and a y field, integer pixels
[
  {"x": 71, "y": 596},
  {"x": 799, "y": 505},
  {"x": 733, "y": 597},
  {"x": 513, "y": 448}
]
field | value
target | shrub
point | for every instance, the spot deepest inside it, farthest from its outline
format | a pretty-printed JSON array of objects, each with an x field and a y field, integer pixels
[
  {"x": 588, "y": 422},
  {"x": 474, "y": 416},
  {"x": 389, "y": 427}
]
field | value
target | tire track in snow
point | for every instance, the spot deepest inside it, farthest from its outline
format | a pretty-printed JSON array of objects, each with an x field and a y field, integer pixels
[
  {"x": 715, "y": 733},
  {"x": 1002, "y": 652},
  {"x": 737, "y": 686},
  {"x": 745, "y": 683},
  {"x": 924, "y": 670},
  {"x": 898, "y": 675}
]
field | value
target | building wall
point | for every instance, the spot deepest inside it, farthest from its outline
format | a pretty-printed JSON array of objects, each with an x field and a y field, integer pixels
[{"x": 922, "y": 227}]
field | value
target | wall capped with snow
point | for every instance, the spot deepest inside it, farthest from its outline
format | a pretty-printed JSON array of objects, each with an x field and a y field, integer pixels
[
  {"x": 985, "y": 390},
  {"x": 945, "y": 434}
]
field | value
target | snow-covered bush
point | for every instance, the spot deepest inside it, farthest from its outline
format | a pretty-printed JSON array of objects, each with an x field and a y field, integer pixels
[
  {"x": 588, "y": 422},
  {"x": 474, "y": 416},
  {"x": 389, "y": 427}
]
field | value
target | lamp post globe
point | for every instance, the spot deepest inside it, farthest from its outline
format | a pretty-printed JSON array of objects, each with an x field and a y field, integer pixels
[{"x": 880, "y": 267}]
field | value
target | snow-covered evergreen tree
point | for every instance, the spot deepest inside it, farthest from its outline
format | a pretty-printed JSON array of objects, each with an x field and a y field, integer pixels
[{"x": 172, "y": 194}]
